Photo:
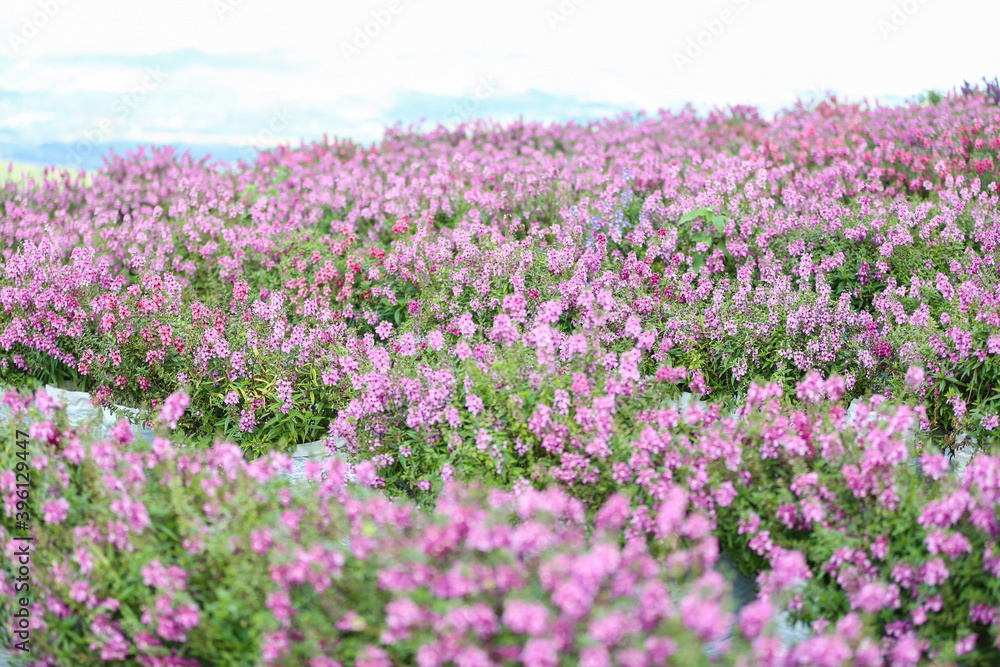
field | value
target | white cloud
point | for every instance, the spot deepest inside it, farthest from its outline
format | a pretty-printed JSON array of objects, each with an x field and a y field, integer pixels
[
  {"x": 25, "y": 119},
  {"x": 606, "y": 55}
]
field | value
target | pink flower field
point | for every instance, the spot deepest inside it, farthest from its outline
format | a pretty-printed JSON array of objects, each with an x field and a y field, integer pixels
[{"x": 568, "y": 376}]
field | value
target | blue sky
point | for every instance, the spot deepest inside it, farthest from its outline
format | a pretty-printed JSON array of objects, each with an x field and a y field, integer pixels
[{"x": 225, "y": 77}]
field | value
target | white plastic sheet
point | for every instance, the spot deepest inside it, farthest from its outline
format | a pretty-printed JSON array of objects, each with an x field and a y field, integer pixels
[
  {"x": 80, "y": 413},
  {"x": 309, "y": 451}
]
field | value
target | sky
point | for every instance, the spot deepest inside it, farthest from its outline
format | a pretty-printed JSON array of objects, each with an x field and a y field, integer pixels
[{"x": 228, "y": 77}]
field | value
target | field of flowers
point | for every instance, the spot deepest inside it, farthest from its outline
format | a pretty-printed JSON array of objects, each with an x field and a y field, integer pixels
[{"x": 563, "y": 368}]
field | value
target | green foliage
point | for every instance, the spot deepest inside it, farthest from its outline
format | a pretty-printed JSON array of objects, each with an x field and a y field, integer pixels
[{"x": 931, "y": 96}]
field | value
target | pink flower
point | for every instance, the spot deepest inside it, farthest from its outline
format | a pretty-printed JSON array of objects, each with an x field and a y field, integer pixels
[
  {"x": 373, "y": 656},
  {"x": 595, "y": 656},
  {"x": 934, "y": 572},
  {"x": 474, "y": 404},
  {"x": 187, "y": 616},
  {"x": 811, "y": 389},
  {"x": 284, "y": 388},
  {"x": 788, "y": 568},
  {"x": 754, "y": 617},
  {"x": 958, "y": 406},
  {"x": 248, "y": 420},
  {"x": 154, "y": 574},
  {"x": 383, "y": 330},
  {"x": 698, "y": 384},
  {"x": 364, "y": 473},
  {"x": 260, "y": 540},
  {"x": 915, "y": 378},
  {"x": 400, "y": 615},
  {"x": 462, "y": 350},
  {"x": 280, "y": 605},
  {"x": 965, "y": 645},
  {"x": 522, "y": 617},
  {"x": 934, "y": 465},
  {"x": 240, "y": 290},
  {"x": 580, "y": 385},
  {"x": 633, "y": 327},
  {"x": 850, "y": 626},
  {"x": 614, "y": 513},
  {"x": 672, "y": 511},
  {"x": 45, "y": 403},
  {"x": 540, "y": 652},
  {"x": 173, "y": 408},
  {"x": 55, "y": 511},
  {"x": 725, "y": 494},
  {"x": 704, "y": 617},
  {"x": 871, "y": 598},
  {"x": 906, "y": 652},
  {"x": 79, "y": 591},
  {"x": 274, "y": 644}
]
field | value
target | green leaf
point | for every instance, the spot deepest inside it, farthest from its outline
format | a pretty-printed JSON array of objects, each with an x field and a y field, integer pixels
[
  {"x": 720, "y": 224},
  {"x": 701, "y": 212}
]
